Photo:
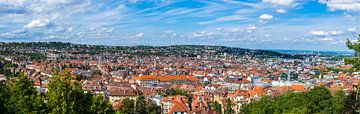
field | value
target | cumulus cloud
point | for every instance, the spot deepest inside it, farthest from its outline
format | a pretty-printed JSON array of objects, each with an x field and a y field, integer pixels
[
  {"x": 250, "y": 28},
  {"x": 352, "y": 29},
  {"x": 265, "y": 17},
  {"x": 327, "y": 39},
  {"x": 325, "y": 33},
  {"x": 138, "y": 35},
  {"x": 281, "y": 11},
  {"x": 203, "y": 34},
  {"x": 38, "y": 23},
  {"x": 349, "y": 5},
  {"x": 318, "y": 33},
  {"x": 336, "y": 33},
  {"x": 280, "y": 2}
]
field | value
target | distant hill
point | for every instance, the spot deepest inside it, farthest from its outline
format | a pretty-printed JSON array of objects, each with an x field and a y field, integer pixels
[
  {"x": 320, "y": 53},
  {"x": 174, "y": 50}
]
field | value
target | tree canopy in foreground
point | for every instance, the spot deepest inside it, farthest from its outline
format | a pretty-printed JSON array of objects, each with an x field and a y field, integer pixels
[
  {"x": 317, "y": 100},
  {"x": 19, "y": 96}
]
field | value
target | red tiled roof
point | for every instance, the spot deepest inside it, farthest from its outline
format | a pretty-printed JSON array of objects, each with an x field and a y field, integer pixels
[
  {"x": 297, "y": 87},
  {"x": 166, "y": 78}
]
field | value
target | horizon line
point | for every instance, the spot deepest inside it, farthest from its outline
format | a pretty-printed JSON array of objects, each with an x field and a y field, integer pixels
[{"x": 270, "y": 49}]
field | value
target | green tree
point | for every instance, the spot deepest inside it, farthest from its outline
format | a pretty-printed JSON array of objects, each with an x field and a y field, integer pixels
[
  {"x": 355, "y": 60},
  {"x": 291, "y": 103},
  {"x": 4, "y": 96},
  {"x": 319, "y": 99},
  {"x": 261, "y": 106},
  {"x": 357, "y": 99},
  {"x": 78, "y": 77},
  {"x": 19, "y": 96},
  {"x": 217, "y": 107},
  {"x": 350, "y": 105},
  {"x": 127, "y": 106},
  {"x": 150, "y": 108},
  {"x": 79, "y": 101},
  {"x": 316, "y": 100},
  {"x": 339, "y": 101},
  {"x": 140, "y": 105},
  {"x": 228, "y": 107},
  {"x": 65, "y": 97},
  {"x": 23, "y": 97},
  {"x": 177, "y": 92},
  {"x": 59, "y": 94},
  {"x": 100, "y": 106}
]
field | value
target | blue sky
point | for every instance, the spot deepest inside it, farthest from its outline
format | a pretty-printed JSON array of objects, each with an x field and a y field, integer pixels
[{"x": 256, "y": 24}]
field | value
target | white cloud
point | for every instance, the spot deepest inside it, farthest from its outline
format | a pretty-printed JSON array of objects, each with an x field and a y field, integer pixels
[
  {"x": 59, "y": 29},
  {"x": 336, "y": 33},
  {"x": 139, "y": 35},
  {"x": 327, "y": 39},
  {"x": 250, "y": 28},
  {"x": 223, "y": 19},
  {"x": 318, "y": 33},
  {"x": 350, "y": 17},
  {"x": 325, "y": 33},
  {"x": 108, "y": 30},
  {"x": 235, "y": 30},
  {"x": 203, "y": 34},
  {"x": 349, "y": 5},
  {"x": 16, "y": 33},
  {"x": 265, "y": 17},
  {"x": 38, "y": 23},
  {"x": 352, "y": 29},
  {"x": 280, "y": 2},
  {"x": 281, "y": 11},
  {"x": 70, "y": 29}
]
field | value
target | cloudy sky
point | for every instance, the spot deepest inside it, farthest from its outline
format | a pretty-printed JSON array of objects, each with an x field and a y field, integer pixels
[{"x": 257, "y": 24}]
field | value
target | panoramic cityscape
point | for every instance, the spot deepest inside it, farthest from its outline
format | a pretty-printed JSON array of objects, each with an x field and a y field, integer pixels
[{"x": 180, "y": 56}]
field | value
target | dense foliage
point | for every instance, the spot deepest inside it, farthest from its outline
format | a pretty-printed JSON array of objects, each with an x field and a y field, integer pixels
[
  {"x": 19, "y": 96},
  {"x": 317, "y": 100},
  {"x": 216, "y": 107},
  {"x": 355, "y": 60},
  {"x": 138, "y": 106},
  {"x": 173, "y": 92},
  {"x": 127, "y": 106},
  {"x": 352, "y": 101},
  {"x": 5, "y": 67},
  {"x": 228, "y": 109}
]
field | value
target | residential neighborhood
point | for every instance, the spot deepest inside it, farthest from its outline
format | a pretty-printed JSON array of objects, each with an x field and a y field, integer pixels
[{"x": 186, "y": 85}]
